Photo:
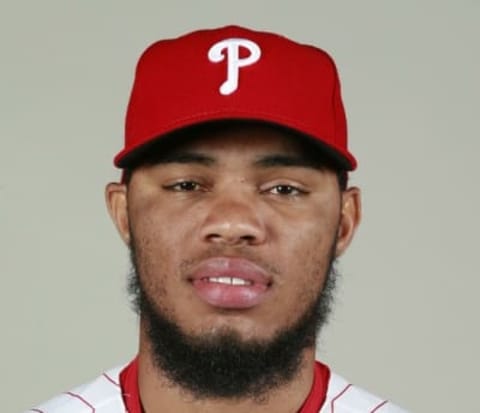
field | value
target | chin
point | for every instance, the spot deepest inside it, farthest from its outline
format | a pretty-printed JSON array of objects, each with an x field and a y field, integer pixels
[{"x": 236, "y": 327}]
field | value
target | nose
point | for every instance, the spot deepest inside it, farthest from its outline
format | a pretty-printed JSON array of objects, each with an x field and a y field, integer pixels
[{"x": 234, "y": 220}]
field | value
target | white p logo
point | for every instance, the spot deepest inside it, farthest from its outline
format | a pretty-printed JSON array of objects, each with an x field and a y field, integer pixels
[{"x": 234, "y": 63}]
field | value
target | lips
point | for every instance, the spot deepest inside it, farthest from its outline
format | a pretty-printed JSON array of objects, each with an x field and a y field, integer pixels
[{"x": 230, "y": 283}]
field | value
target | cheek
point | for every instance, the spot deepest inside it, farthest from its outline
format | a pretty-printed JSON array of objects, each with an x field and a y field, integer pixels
[
  {"x": 155, "y": 225},
  {"x": 308, "y": 255},
  {"x": 156, "y": 241}
]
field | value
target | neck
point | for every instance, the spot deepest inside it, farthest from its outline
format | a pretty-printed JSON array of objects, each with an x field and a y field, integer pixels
[{"x": 156, "y": 390}]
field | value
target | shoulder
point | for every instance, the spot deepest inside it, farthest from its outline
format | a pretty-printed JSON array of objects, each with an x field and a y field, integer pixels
[
  {"x": 102, "y": 395},
  {"x": 344, "y": 397}
]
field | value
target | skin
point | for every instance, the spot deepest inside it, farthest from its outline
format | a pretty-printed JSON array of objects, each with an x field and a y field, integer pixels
[{"x": 284, "y": 218}]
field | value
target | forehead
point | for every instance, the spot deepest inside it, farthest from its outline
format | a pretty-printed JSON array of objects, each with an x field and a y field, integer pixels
[
  {"x": 239, "y": 138},
  {"x": 236, "y": 138}
]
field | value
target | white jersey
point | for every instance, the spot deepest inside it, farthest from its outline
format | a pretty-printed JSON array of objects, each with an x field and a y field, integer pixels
[{"x": 103, "y": 395}]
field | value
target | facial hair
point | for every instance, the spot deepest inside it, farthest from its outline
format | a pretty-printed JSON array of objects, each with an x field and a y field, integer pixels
[{"x": 225, "y": 365}]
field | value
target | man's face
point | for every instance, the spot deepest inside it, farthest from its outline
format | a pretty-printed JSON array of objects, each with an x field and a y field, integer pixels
[{"x": 234, "y": 231}]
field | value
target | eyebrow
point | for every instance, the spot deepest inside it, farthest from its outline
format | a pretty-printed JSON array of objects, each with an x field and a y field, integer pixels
[
  {"x": 279, "y": 160},
  {"x": 184, "y": 158},
  {"x": 266, "y": 161}
]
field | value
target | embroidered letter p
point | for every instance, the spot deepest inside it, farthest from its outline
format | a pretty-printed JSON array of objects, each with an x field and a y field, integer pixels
[{"x": 234, "y": 62}]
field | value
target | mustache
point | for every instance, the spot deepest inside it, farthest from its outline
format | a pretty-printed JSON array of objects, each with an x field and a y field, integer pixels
[{"x": 243, "y": 252}]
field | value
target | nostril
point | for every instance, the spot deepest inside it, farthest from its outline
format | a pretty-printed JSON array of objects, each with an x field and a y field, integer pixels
[{"x": 231, "y": 239}]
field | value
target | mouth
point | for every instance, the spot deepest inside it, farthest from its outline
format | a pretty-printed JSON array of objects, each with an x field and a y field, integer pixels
[
  {"x": 230, "y": 283},
  {"x": 228, "y": 280}
]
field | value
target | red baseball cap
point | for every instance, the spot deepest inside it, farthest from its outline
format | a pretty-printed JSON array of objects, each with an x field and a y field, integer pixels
[{"x": 234, "y": 73}]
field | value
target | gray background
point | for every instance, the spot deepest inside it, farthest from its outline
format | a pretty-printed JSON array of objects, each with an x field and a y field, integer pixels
[{"x": 406, "y": 320}]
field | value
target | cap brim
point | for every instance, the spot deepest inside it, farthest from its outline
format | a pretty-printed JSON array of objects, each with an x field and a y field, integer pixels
[{"x": 133, "y": 156}]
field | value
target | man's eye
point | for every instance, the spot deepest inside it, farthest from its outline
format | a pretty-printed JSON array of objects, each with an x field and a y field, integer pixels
[
  {"x": 285, "y": 190},
  {"x": 184, "y": 186}
]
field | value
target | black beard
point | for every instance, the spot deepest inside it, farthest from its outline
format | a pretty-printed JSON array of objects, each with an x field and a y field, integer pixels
[{"x": 224, "y": 365}]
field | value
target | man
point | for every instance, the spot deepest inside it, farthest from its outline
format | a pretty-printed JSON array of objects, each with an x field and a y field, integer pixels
[{"x": 234, "y": 204}]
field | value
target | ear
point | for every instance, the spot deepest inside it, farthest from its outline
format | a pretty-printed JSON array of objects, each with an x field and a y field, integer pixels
[
  {"x": 349, "y": 220},
  {"x": 116, "y": 199}
]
